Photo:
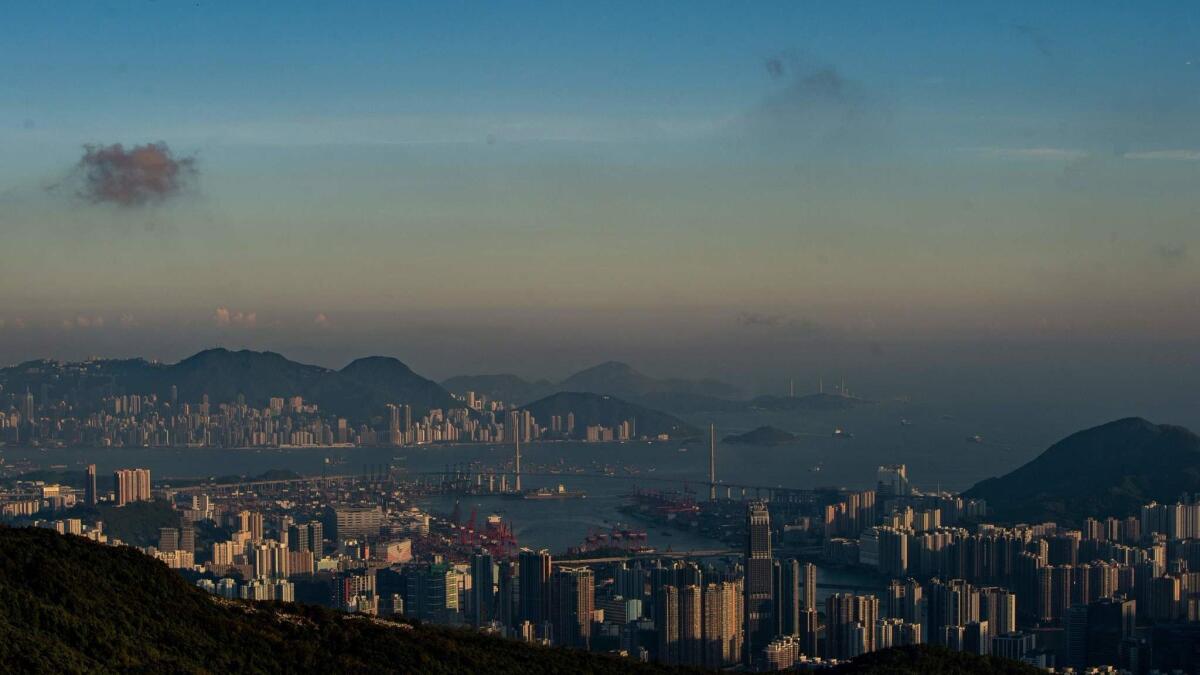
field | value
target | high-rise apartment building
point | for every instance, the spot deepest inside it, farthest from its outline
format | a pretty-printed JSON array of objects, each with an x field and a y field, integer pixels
[
  {"x": 534, "y": 595},
  {"x": 573, "y": 596},
  {"x": 131, "y": 485},
  {"x": 89, "y": 486}
]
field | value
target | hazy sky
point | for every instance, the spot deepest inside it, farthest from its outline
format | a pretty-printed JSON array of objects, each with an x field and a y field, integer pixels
[{"x": 725, "y": 189}]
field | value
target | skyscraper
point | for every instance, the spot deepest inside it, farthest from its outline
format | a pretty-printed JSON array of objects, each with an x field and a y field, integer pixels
[
  {"x": 666, "y": 624},
  {"x": 483, "y": 588},
  {"x": 534, "y": 600},
  {"x": 850, "y": 624},
  {"x": 691, "y": 626},
  {"x": 89, "y": 486},
  {"x": 574, "y": 593},
  {"x": 722, "y": 624},
  {"x": 394, "y": 431},
  {"x": 517, "y": 458},
  {"x": 810, "y": 587},
  {"x": 787, "y": 593},
  {"x": 758, "y": 605},
  {"x": 712, "y": 462}
]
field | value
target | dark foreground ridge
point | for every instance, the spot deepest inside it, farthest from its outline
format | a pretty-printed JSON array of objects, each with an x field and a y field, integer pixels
[
  {"x": 70, "y": 605},
  {"x": 927, "y": 660}
]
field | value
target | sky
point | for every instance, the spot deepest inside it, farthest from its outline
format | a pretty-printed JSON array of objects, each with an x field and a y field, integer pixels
[{"x": 923, "y": 195}]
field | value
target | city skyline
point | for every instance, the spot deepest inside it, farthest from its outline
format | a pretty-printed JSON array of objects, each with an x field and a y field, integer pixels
[
  {"x": 620, "y": 337},
  {"x": 902, "y": 187}
]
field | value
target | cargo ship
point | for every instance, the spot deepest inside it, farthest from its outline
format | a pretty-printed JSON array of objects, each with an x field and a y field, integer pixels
[{"x": 559, "y": 492}]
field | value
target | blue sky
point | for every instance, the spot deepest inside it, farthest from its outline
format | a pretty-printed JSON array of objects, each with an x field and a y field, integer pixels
[{"x": 612, "y": 178}]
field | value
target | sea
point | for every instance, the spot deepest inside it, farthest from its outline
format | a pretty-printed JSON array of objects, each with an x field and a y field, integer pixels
[{"x": 940, "y": 450}]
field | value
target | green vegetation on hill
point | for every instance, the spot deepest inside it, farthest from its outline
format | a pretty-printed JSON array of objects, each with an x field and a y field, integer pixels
[
  {"x": 135, "y": 524},
  {"x": 1109, "y": 470},
  {"x": 68, "y": 605}
]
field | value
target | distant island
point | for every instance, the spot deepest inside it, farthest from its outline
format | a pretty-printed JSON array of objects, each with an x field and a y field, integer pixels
[
  {"x": 240, "y": 399},
  {"x": 765, "y": 435},
  {"x": 611, "y": 377}
]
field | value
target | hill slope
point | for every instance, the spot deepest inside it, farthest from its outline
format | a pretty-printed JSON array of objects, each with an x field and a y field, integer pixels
[
  {"x": 68, "y": 605},
  {"x": 504, "y": 387},
  {"x": 358, "y": 391},
  {"x": 927, "y": 660},
  {"x": 620, "y": 379},
  {"x": 1109, "y": 470},
  {"x": 762, "y": 436},
  {"x": 609, "y": 411},
  {"x": 611, "y": 377}
]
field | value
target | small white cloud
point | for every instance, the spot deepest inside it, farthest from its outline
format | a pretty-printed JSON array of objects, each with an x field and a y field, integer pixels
[
  {"x": 321, "y": 320},
  {"x": 224, "y": 317},
  {"x": 1166, "y": 155},
  {"x": 127, "y": 320}
]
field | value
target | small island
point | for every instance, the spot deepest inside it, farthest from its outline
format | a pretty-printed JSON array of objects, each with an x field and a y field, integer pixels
[{"x": 762, "y": 436}]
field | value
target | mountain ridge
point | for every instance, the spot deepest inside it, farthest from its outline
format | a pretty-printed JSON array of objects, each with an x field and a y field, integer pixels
[
  {"x": 1107, "y": 470},
  {"x": 359, "y": 390},
  {"x": 614, "y": 378}
]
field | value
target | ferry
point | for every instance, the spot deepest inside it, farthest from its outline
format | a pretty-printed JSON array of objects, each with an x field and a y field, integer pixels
[{"x": 842, "y": 433}]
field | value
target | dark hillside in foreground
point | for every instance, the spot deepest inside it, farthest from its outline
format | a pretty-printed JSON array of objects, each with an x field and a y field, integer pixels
[{"x": 70, "y": 605}]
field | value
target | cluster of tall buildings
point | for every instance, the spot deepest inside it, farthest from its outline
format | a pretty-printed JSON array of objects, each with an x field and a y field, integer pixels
[
  {"x": 130, "y": 485},
  {"x": 134, "y": 420}
]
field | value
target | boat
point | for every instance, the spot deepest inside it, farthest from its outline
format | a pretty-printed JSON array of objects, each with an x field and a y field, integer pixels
[
  {"x": 560, "y": 492},
  {"x": 904, "y": 422},
  {"x": 842, "y": 433},
  {"x": 975, "y": 439},
  {"x": 683, "y": 450}
]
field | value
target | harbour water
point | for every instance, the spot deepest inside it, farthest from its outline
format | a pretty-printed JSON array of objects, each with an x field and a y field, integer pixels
[{"x": 940, "y": 451}]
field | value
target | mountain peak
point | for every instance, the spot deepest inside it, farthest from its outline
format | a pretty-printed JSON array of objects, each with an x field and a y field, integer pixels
[
  {"x": 1106, "y": 470},
  {"x": 381, "y": 362}
]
